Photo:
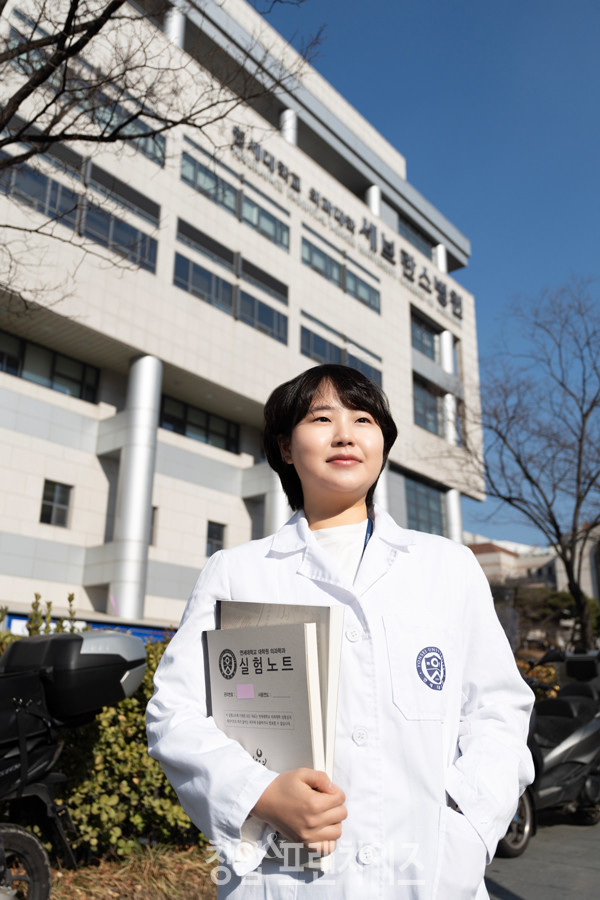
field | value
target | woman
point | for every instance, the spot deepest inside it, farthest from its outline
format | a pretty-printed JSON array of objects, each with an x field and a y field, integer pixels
[{"x": 432, "y": 714}]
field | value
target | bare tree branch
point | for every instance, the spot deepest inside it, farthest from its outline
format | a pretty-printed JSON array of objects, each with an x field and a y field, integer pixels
[
  {"x": 93, "y": 73},
  {"x": 541, "y": 416}
]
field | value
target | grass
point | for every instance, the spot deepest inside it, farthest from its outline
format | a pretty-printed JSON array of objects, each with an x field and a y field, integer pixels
[{"x": 151, "y": 874}]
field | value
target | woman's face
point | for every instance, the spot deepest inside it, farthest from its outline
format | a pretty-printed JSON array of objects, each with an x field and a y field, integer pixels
[{"x": 337, "y": 452}]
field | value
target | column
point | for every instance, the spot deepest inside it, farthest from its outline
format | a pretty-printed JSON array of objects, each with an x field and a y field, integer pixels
[
  {"x": 453, "y": 510},
  {"x": 277, "y": 510},
  {"x": 127, "y": 588},
  {"x": 454, "y": 515},
  {"x": 447, "y": 364},
  {"x": 288, "y": 125},
  {"x": 442, "y": 258},
  {"x": 175, "y": 26},
  {"x": 373, "y": 199}
]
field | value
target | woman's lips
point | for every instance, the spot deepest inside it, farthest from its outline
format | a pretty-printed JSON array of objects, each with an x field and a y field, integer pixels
[{"x": 343, "y": 460}]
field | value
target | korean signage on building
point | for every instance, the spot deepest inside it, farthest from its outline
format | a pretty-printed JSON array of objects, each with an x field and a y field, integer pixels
[{"x": 367, "y": 238}]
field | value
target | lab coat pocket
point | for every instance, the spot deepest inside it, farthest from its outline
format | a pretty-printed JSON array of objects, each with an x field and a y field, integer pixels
[
  {"x": 461, "y": 860},
  {"x": 421, "y": 660}
]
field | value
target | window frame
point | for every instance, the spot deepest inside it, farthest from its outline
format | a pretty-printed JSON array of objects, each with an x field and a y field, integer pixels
[
  {"x": 420, "y": 326},
  {"x": 421, "y": 514},
  {"x": 215, "y": 543},
  {"x": 58, "y": 512},
  {"x": 429, "y": 398},
  {"x": 217, "y": 431}
]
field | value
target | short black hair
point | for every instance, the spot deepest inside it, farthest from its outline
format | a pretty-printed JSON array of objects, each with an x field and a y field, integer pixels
[{"x": 290, "y": 402}]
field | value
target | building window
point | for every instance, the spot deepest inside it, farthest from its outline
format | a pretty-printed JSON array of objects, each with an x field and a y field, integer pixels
[
  {"x": 120, "y": 192},
  {"x": 59, "y": 203},
  {"x": 331, "y": 270},
  {"x": 427, "y": 407},
  {"x": 415, "y": 237},
  {"x": 153, "y": 526},
  {"x": 205, "y": 244},
  {"x": 425, "y": 337},
  {"x": 41, "y": 193},
  {"x": 215, "y": 538},
  {"x": 101, "y": 107},
  {"x": 199, "y": 425},
  {"x": 262, "y": 317},
  {"x": 154, "y": 146},
  {"x": 208, "y": 183},
  {"x": 220, "y": 293},
  {"x": 318, "y": 349},
  {"x": 119, "y": 236},
  {"x": 361, "y": 366},
  {"x": 204, "y": 284},
  {"x": 11, "y": 354},
  {"x": 362, "y": 291},
  {"x": 55, "y": 504},
  {"x": 33, "y": 362},
  {"x": 425, "y": 507},
  {"x": 265, "y": 223},
  {"x": 264, "y": 281},
  {"x": 323, "y": 351},
  {"x": 321, "y": 263}
]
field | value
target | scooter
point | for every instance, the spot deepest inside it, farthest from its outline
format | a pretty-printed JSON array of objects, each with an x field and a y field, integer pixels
[
  {"x": 50, "y": 683},
  {"x": 564, "y": 739}
]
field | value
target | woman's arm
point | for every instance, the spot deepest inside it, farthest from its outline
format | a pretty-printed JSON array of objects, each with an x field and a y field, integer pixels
[{"x": 217, "y": 781}]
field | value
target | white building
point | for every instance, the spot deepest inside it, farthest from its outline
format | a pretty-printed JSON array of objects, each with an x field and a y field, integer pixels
[
  {"x": 507, "y": 562},
  {"x": 131, "y": 408}
]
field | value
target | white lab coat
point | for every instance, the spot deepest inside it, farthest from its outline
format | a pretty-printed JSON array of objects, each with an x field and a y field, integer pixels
[{"x": 404, "y": 746}]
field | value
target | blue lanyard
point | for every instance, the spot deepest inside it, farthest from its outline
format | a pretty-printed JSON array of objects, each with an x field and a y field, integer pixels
[{"x": 368, "y": 533}]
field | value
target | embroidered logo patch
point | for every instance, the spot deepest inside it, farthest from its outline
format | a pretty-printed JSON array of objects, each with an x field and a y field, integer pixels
[
  {"x": 431, "y": 668},
  {"x": 227, "y": 664}
]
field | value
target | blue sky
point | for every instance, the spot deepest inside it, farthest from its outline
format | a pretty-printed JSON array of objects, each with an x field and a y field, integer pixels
[{"x": 496, "y": 107}]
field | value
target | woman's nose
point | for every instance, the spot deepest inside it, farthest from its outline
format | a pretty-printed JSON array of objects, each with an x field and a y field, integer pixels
[{"x": 342, "y": 437}]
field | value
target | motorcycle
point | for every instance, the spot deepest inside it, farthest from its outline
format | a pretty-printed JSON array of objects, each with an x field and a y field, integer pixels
[
  {"x": 48, "y": 684},
  {"x": 564, "y": 739}
]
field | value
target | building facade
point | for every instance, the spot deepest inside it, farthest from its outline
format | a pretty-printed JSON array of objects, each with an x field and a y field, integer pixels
[{"x": 229, "y": 259}]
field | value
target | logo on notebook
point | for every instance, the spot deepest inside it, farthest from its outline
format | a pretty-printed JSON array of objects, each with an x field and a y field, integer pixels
[
  {"x": 227, "y": 664},
  {"x": 431, "y": 668}
]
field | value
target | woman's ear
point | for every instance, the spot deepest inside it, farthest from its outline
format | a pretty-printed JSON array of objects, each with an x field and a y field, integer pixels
[{"x": 284, "y": 449}]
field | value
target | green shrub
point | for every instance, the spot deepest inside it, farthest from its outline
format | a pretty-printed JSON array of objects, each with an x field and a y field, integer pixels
[
  {"x": 5, "y": 636},
  {"x": 117, "y": 795}
]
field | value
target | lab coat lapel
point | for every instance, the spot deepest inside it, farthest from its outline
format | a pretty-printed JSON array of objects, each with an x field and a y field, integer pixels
[
  {"x": 305, "y": 558},
  {"x": 387, "y": 542},
  {"x": 293, "y": 540}
]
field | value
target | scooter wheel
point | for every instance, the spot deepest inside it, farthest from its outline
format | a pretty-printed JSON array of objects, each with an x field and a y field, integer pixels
[
  {"x": 519, "y": 831},
  {"x": 27, "y": 875}
]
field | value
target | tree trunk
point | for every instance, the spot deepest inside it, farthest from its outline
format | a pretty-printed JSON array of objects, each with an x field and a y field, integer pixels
[{"x": 583, "y": 610}]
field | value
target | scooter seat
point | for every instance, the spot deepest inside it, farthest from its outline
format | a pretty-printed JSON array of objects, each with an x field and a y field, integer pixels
[
  {"x": 567, "y": 706},
  {"x": 583, "y": 689},
  {"x": 555, "y": 707},
  {"x": 552, "y": 730}
]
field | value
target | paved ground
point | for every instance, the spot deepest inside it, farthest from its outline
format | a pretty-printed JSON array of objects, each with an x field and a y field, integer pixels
[{"x": 561, "y": 862}]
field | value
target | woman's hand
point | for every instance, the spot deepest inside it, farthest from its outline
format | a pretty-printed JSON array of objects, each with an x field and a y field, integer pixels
[{"x": 305, "y": 807}]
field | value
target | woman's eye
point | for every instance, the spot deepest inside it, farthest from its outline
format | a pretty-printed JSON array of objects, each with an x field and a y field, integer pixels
[{"x": 364, "y": 419}]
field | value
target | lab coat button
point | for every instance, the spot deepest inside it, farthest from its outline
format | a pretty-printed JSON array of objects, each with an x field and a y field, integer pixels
[
  {"x": 366, "y": 855},
  {"x": 353, "y": 634},
  {"x": 360, "y": 735}
]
